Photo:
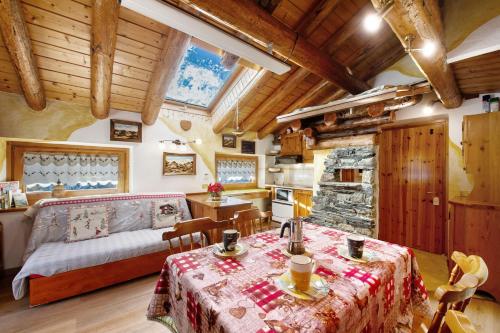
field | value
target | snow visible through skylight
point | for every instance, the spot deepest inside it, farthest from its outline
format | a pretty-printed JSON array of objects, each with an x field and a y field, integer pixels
[{"x": 199, "y": 78}]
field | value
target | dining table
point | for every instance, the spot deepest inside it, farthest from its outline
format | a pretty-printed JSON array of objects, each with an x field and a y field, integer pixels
[{"x": 200, "y": 292}]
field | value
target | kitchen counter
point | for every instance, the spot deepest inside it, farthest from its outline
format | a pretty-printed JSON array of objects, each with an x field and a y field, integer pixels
[{"x": 293, "y": 187}]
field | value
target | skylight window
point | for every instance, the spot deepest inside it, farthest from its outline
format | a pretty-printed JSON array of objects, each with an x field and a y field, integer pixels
[{"x": 199, "y": 79}]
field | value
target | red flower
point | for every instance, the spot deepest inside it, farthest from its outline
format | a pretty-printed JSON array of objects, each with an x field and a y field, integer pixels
[{"x": 215, "y": 188}]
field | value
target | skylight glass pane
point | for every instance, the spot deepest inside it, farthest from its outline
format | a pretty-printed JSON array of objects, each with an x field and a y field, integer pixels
[{"x": 199, "y": 78}]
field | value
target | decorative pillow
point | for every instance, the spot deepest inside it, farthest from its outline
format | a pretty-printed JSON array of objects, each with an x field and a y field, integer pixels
[
  {"x": 166, "y": 213},
  {"x": 87, "y": 223}
]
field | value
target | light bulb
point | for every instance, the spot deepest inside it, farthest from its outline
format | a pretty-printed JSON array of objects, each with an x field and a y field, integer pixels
[
  {"x": 429, "y": 49},
  {"x": 161, "y": 145},
  {"x": 198, "y": 141},
  {"x": 428, "y": 110},
  {"x": 372, "y": 22}
]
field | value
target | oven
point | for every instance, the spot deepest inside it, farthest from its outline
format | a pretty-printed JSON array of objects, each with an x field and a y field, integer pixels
[{"x": 282, "y": 204}]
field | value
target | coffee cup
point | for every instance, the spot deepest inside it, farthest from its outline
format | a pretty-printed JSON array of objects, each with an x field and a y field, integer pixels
[
  {"x": 355, "y": 244},
  {"x": 301, "y": 268},
  {"x": 230, "y": 239}
]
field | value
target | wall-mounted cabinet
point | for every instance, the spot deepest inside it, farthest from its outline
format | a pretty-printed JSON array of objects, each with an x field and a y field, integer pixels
[
  {"x": 302, "y": 202},
  {"x": 294, "y": 144}
]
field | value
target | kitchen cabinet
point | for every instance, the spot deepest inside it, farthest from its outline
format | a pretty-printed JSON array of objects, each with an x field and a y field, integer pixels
[
  {"x": 307, "y": 154},
  {"x": 302, "y": 204},
  {"x": 291, "y": 144}
]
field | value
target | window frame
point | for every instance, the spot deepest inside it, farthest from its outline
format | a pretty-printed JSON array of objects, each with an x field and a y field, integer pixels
[
  {"x": 15, "y": 165},
  {"x": 238, "y": 186}
]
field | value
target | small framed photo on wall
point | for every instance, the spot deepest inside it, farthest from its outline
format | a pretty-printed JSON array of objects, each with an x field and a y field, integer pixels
[
  {"x": 247, "y": 147},
  {"x": 179, "y": 164},
  {"x": 228, "y": 141},
  {"x": 124, "y": 130}
]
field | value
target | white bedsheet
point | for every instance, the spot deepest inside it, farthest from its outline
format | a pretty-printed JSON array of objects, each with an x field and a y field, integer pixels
[{"x": 57, "y": 257}]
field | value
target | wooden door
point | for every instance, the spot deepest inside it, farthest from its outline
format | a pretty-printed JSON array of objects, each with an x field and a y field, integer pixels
[
  {"x": 412, "y": 192},
  {"x": 302, "y": 202}
]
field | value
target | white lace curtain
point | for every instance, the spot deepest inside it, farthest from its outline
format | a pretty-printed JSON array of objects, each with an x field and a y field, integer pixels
[{"x": 71, "y": 169}]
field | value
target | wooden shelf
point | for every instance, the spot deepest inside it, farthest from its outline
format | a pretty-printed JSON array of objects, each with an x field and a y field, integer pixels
[{"x": 13, "y": 209}]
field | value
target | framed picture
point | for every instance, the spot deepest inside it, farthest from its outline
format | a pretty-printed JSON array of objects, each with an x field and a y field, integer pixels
[
  {"x": 20, "y": 199},
  {"x": 124, "y": 130},
  {"x": 228, "y": 141},
  {"x": 247, "y": 147},
  {"x": 179, "y": 164}
]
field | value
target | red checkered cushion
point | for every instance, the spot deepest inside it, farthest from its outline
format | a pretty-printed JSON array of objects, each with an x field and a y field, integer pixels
[
  {"x": 367, "y": 278},
  {"x": 185, "y": 264},
  {"x": 276, "y": 254},
  {"x": 228, "y": 266},
  {"x": 264, "y": 294}
]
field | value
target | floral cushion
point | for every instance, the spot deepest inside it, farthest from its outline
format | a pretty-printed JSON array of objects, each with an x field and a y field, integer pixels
[
  {"x": 87, "y": 223},
  {"x": 166, "y": 213}
]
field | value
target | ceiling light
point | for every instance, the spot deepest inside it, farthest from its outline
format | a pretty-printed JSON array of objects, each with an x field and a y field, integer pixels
[
  {"x": 372, "y": 22},
  {"x": 429, "y": 49},
  {"x": 194, "y": 26}
]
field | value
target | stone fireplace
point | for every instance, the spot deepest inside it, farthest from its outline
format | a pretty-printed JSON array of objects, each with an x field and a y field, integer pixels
[{"x": 348, "y": 202}]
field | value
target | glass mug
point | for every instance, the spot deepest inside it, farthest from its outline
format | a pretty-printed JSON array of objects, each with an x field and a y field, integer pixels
[{"x": 301, "y": 269}]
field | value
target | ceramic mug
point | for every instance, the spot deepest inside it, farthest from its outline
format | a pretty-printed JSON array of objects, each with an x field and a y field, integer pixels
[
  {"x": 230, "y": 239},
  {"x": 301, "y": 269},
  {"x": 355, "y": 245}
]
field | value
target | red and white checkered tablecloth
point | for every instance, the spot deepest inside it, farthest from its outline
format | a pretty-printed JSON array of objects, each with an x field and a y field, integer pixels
[{"x": 198, "y": 292}]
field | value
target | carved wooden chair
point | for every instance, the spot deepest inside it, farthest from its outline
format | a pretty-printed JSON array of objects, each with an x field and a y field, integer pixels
[
  {"x": 469, "y": 273},
  {"x": 251, "y": 221},
  {"x": 202, "y": 232},
  {"x": 458, "y": 322}
]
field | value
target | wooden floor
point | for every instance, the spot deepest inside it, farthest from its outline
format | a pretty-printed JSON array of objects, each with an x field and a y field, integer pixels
[{"x": 122, "y": 308}]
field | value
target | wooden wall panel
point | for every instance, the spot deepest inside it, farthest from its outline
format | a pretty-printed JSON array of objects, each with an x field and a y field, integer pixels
[{"x": 412, "y": 171}]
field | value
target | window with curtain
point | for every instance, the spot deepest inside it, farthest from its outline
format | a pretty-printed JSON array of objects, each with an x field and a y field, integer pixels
[
  {"x": 236, "y": 171},
  {"x": 41, "y": 171},
  {"x": 83, "y": 170}
]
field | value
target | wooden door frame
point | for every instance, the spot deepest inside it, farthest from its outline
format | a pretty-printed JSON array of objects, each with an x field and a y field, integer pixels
[{"x": 425, "y": 121}]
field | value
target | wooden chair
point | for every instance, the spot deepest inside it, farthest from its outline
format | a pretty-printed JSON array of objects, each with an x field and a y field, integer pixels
[
  {"x": 208, "y": 230},
  {"x": 251, "y": 221},
  {"x": 467, "y": 275},
  {"x": 458, "y": 322}
]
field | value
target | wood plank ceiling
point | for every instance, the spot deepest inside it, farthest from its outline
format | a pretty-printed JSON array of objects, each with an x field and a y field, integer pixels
[
  {"x": 60, "y": 33},
  {"x": 478, "y": 74}
]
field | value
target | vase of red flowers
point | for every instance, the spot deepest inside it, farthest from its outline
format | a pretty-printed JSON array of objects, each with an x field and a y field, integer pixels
[{"x": 215, "y": 191}]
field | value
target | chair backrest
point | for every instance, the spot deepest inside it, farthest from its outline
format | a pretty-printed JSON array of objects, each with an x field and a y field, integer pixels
[
  {"x": 458, "y": 322},
  {"x": 202, "y": 232},
  {"x": 452, "y": 297},
  {"x": 251, "y": 221},
  {"x": 469, "y": 265}
]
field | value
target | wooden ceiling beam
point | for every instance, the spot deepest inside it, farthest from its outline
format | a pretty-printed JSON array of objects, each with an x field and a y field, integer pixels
[
  {"x": 421, "y": 20},
  {"x": 315, "y": 17},
  {"x": 173, "y": 51},
  {"x": 18, "y": 44},
  {"x": 102, "y": 53},
  {"x": 247, "y": 17}
]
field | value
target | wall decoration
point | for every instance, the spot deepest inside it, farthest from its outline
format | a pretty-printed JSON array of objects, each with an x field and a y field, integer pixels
[
  {"x": 185, "y": 125},
  {"x": 124, "y": 130},
  {"x": 179, "y": 164},
  {"x": 228, "y": 141},
  {"x": 247, "y": 147},
  {"x": 20, "y": 199}
]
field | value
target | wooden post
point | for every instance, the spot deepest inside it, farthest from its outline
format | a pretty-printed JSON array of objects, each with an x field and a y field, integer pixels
[
  {"x": 18, "y": 44},
  {"x": 102, "y": 52},
  {"x": 173, "y": 51},
  {"x": 247, "y": 17},
  {"x": 420, "y": 19}
]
